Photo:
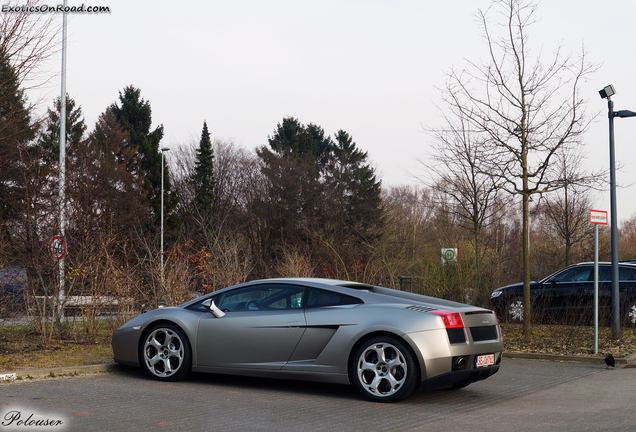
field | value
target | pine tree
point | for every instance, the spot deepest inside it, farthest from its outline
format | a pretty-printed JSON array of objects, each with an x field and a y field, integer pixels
[
  {"x": 49, "y": 139},
  {"x": 135, "y": 116},
  {"x": 354, "y": 187},
  {"x": 204, "y": 172},
  {"x": 16, "y": 131}
]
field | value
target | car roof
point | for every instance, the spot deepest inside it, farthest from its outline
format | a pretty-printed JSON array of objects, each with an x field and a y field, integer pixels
[
  {"x": 370, "y": 294},
  {"x": 323, "y": 281}
]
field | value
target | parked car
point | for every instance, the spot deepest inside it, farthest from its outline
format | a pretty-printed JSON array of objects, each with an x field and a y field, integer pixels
[
  {"x": 569, "y": 294},
  {"x": 13, "y": 297},
  {"x": 386, "y": 342}
]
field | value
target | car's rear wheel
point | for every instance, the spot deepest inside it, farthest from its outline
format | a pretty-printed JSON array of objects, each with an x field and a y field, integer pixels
[
  {"x": 165, "y": 353},
  {"x": 385, "y": 369}
]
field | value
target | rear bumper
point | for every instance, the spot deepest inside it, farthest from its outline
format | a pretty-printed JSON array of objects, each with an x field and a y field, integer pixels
[{"x": 459, "y": 378}]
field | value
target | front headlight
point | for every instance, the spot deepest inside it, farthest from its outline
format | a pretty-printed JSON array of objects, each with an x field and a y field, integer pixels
[{"x": 495, "y": 294}]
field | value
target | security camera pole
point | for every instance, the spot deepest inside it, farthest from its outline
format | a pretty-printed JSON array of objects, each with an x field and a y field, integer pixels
[{"x": 607, "y": 93}]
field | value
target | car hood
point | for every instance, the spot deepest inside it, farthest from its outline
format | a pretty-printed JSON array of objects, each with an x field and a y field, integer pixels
[{"x": 518, "y": 286}]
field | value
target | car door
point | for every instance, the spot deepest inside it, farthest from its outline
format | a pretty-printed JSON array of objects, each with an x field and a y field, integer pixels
[
  {"x": 325, "y": 311},
  {"x": 260, "y": 330},
  {"x": 572, "y": 289}
]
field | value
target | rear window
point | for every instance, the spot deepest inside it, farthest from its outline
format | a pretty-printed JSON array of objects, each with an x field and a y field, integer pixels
[{"x": 321, "y": 298}]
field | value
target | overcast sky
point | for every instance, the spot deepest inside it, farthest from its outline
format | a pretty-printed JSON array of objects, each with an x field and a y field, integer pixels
[{"x": 370, "y": 67}]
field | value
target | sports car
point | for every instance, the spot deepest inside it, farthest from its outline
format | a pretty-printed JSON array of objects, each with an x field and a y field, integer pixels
[{"x": 388, "y": 343}]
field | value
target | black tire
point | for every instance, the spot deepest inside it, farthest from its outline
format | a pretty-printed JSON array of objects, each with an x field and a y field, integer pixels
[
  {"x": 384, "y": 369},
  {"x": 165, "y": 353}
]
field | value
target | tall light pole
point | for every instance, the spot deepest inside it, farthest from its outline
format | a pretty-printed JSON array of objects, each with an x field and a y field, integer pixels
[
  {"x": 62, "y": 162},
  {"x": 163, "y": 150},
  {"x": 607, "y": 93}
]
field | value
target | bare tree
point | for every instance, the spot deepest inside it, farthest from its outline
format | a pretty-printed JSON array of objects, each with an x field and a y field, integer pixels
[
  {"x": 566, "y": 211},
  {"x": 28, "y": 40},
  {"x": 524, "y": 107},
  {"x": 221, "y": 230},
  {"x": 457, "y": 174}
]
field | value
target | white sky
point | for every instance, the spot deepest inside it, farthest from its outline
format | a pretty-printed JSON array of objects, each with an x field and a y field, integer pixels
[{"x": 370, "y": 67}]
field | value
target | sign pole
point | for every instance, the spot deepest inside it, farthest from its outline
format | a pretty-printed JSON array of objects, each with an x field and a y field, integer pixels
[
  {"x": 595, "y": 288},
  {"x": 597, "y": 217}
]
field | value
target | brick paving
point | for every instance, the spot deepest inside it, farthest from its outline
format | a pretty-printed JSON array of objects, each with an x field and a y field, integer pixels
[{"x": 524, "y": 395}]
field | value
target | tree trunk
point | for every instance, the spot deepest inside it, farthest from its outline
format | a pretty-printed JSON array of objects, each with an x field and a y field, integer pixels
[{"x": 527, "y": 324}]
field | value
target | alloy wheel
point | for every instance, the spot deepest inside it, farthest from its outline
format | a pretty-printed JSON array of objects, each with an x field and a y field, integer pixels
[{"x": 163, "y": 352}]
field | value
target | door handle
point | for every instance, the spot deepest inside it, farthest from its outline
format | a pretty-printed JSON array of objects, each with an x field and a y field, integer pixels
[{"x": 296, "y": 324}]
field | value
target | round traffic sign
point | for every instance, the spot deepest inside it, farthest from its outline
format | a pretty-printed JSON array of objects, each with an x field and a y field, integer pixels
[{"x": 57, "y": 247}]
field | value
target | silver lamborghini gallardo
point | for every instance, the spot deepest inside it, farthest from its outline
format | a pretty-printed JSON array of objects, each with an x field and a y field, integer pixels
[{"x": 388, "y": 343}]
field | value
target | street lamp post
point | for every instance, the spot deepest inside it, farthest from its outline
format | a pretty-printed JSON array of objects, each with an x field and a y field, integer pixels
[
  {"x": 62, "y": 163},
  {"x": 163, "y": 150},
  {"x": 607, "y": 93}
]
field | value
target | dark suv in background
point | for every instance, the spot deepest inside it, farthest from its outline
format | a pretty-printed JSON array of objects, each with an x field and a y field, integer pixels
[
  {"x": 568, "y": 295},
  {"x": 12, "y": 290}
]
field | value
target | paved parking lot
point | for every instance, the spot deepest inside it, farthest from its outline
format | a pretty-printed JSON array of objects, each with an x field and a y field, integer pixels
[{"x": 525, "y": 395}]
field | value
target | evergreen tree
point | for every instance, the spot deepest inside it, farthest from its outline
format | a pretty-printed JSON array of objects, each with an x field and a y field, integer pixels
[
  {"x": 16, "y": 131},
  {"x": 204, "y": 172},
  {"x": 49, "y": 139},
  {"x": 293, "y": 166},
  {"x": 319, "y": 192},
  {"x": 356, "y": 191},
  {"x": 113, "y": 189},
  {"x": 135, "y": 116}
]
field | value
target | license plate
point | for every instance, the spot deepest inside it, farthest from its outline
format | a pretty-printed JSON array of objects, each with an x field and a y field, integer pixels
[{"x": 485, "y": 360}]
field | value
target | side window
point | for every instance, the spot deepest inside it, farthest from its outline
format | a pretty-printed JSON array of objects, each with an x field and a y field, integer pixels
[
  {"x": 320, "y": 298},
  {"x": 262, "y": 297},
  {"x": 604, "y": 274},
  {"x": 576, "y": 274},
  {"x": 626, "y": 274}
]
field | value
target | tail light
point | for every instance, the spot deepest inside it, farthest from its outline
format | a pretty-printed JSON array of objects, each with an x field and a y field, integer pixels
[{"x": 451, "y": 319}]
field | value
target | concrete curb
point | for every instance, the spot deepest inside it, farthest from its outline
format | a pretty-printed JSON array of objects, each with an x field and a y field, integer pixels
[
  {"x": 580, "y": 359},
  {"x": 60, "y": 371},
  {"x": 114, "y": 367}
]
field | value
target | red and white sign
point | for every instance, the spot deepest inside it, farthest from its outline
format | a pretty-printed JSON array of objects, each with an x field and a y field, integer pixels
[
  {"x": 57, "y": 247},
  {"x": 598, "y": 217}
]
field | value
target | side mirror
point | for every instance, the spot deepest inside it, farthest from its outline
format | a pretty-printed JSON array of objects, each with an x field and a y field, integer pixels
[{"x": 209, "y": 304}]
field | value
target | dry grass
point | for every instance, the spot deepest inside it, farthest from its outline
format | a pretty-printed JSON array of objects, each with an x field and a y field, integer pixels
[
  {"x": 21, "y": 348},
  {"x": 567, "y": 340}
]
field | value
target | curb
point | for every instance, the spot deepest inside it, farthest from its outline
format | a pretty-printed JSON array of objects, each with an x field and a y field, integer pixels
[
  {"x": 60, "y": 371},
  {"x": 569, "y": 358},
  {"x": 115, "y": 367}
]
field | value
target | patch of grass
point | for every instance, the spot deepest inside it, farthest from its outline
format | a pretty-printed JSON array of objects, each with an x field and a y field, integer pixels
[
  {"x": 22, "y": 348},
  {"x": 567, "y": 340}
]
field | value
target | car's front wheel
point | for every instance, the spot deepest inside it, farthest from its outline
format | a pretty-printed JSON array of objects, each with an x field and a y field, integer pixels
[
  {"x": 514, "y": 309},
  {"x": 385, "y": 370},
  {"x": 165, "y": 353}
]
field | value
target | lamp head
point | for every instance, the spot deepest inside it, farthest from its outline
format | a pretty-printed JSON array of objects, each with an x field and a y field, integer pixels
[{"x": 607, "y": 92}]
